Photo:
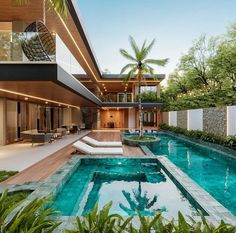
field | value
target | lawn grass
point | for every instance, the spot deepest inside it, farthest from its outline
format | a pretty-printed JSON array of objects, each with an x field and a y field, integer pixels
[{"x": 4, "y": 175}]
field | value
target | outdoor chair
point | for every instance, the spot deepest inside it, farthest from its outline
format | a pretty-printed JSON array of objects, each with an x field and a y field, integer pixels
[
  {"x": 86, "y": 149},
  {"x": 94, "y": 142}
]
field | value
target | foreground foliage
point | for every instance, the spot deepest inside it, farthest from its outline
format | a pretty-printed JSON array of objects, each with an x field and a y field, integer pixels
[
  {"x": 104, "y": 222},
  {"x": 16, "y": 197},
  {"x": 229, "y": 141},
  {"x": 33, "y": 218},
  {"x": 4, "y": 175}
]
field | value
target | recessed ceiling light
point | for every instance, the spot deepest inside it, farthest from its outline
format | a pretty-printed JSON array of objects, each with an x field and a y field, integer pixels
[
  {"x": 26, "y": 98},
  {"x": 46, "y": 102}
]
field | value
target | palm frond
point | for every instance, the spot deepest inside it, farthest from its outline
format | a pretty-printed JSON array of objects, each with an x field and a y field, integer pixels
[
  {"x": 61, "y": 6},
  {"x": 130, "y": 65},
  {"x": 134, "y": 46},
  {"x": 161, "y": 62},
  {"x": 125, "y": 54},
  {"x": 130, "y": 75},
  {"x": 146, "y": 50}
]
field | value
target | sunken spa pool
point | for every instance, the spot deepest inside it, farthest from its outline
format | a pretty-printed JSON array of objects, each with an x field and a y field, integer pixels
[{"x": 131, "y": 184}]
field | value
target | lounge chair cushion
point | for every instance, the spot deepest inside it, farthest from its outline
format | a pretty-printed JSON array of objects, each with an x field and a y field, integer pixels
[
  {"x": 94, "y": 142},
  {"x": 86, "y": 149}
]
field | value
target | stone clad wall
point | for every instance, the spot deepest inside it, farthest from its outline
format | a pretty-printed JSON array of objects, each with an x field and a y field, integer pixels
[
  {"x": 182, "y": 119},
  {"x": 215, "y": 120},
  {"x": 218, "y": 121}
]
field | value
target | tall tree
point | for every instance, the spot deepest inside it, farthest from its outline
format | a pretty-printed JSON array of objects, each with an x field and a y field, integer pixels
[
  {"x": 195, "y": 64},
  {"x": 138, "y": 66}
]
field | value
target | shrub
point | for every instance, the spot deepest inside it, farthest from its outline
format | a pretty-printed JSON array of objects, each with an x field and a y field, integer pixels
[
  {"x": 32, "y": 218},
  {"x": 229, "y": 141},
  {"x": 149, "y": 96},
  {"x": 104, "y": 222}
]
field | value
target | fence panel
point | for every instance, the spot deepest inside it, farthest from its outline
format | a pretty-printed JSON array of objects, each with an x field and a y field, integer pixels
[{"x": 195, "y": 119}]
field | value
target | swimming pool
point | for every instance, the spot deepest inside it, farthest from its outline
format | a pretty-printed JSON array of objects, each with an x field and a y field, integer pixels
[
  {"x": 129, "y": 183},
  {"x": 213, "y": 171}
]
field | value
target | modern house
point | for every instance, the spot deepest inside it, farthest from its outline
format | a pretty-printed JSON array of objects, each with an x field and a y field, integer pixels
[{"x": 50, "y": 77}]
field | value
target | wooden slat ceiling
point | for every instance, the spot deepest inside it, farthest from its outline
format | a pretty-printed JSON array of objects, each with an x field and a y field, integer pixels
[{"x": 42, "y": 89}]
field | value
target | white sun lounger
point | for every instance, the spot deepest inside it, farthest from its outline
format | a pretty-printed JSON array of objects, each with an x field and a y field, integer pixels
[
  {"x": 94, "y": 142},
  {"x": 86, "y": 149}
]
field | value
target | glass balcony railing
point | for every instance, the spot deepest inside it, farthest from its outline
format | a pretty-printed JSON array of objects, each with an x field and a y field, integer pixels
[
  {"x": 24, "y": 47},
  {"x": 121, "y": 97},
  {"x": 37, "y": 47}
]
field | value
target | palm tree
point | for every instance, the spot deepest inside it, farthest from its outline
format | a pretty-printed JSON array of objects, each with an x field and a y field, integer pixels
[
  {"x": 140, "y": 202},
  {"x": 139, "y": 66},
  {"x": 59, "y": 5}
]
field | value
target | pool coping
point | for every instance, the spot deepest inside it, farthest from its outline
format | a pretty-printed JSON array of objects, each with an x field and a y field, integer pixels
[
  {"x": 54, "y": 183},
  {"x": 213, "y": 146},
  {"x": 215, "y": 209}
]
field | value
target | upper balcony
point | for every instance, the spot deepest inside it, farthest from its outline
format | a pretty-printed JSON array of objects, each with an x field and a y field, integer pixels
[
  {"x": 24, "y": 47},
  {"x": 31, "y": 48},
  {"x": 38, "y": 60}
]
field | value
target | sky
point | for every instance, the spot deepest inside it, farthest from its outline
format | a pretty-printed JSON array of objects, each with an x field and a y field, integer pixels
[{"x": 173, "y": 23}]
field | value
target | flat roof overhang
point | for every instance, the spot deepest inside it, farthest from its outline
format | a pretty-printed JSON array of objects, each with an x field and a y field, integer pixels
[
  {"x": 130, "y": 104},
  {"x": 46, "y": 81}
]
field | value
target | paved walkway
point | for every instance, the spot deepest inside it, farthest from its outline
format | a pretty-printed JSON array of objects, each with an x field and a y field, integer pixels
[{"x": 19, "y": 156}]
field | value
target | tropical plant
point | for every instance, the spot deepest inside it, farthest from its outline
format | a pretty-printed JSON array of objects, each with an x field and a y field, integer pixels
[
  {"x": 101, "y": 221},
  {"x": 104, "y": 222},
  {"x": 149, "y": 96},
  {"x": 32, "y": 218},
  {"x": 227, "y": 141},
  {"x": 139, "y": 66}
]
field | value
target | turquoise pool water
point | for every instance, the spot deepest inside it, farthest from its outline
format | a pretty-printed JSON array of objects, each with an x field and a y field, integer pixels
[
  {"x": 130, "y": 183},
  {"x": 213, "y": 171}
]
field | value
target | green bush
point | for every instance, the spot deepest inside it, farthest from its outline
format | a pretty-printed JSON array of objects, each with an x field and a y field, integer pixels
[
  {"x": 4, "y": 175},
  {"x": 200, "y": 99},
  {"x": 32, "y": 218},
  {"x": 104, "y": 222},
  {"x": 229, "y": 141},
  {"x": 149, "y": 96}
]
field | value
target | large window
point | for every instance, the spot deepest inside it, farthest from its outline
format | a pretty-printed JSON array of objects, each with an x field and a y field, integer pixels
[{"x": 148, "y": 89}]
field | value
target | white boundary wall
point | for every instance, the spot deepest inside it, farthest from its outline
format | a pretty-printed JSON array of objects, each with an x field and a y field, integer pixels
[
  {"x": 231, "y": 120},
  {"x": 173, "y": 118},
  {"x": 195, "y": 119}
]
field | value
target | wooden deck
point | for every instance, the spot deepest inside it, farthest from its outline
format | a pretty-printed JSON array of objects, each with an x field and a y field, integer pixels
[{"x": 46, "y": 167}]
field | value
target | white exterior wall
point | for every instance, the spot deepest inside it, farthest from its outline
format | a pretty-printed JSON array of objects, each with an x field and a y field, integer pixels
[
  {"x": 195, "y": 119},
  {"x": 173, "y": 118},
  {"x": 231, "y": 120}
]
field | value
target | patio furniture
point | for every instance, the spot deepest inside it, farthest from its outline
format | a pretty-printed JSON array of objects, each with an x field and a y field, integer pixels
[
  {"x": 86, "y": 149},
  {"x": 38, "y": 43},
  {"x": 35, "y": 137},
  {"x": 27, "y": 135},
  {"x": 41, "y": 138},
  {"x": 94, "y": 142},
  {"x": 61, "y": 132}
]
